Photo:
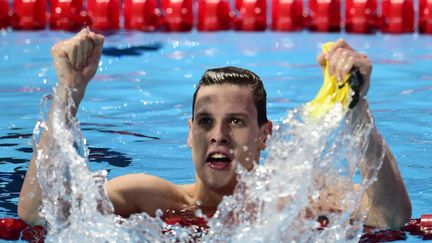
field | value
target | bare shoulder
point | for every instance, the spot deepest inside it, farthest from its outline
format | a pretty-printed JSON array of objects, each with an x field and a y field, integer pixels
[{"x": 136, "y": 193}]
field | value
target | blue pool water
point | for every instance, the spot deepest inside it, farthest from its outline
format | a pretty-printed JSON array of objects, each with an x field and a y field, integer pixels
[{"x": 135, "y": 113}]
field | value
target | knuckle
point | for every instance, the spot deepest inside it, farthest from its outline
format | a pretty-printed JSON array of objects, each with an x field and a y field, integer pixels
[
  {"x": 333, "y": 61},
  {"x": 344, "y": 55},
  {"x": 54, "y": 49},
  {"x": 347, "y": 67},
  {"x": 340, "y": 42}
]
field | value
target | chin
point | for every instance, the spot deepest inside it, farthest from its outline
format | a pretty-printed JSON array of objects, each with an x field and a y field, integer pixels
[
  {"x": 224, "y": 190},
  {"x": 223, "y": 185}
]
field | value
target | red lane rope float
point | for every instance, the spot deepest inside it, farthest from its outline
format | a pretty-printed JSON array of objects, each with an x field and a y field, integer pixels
[
  {"x": 4, "y": 11},
  {"x": 104, "y": 14},
  {"x": 68, "y": 15},
  {"x": 142, "y": 15},
  {"x": 398, "y": 16},
  {"x": 214, "y": 15},
  {"x": 184, "y": 218},
  {"x": 252, "y": 15},
  {"x": 361, "y": 16},
  {"x": 29, "y": 14},
  {"x": 425, "y": 17},
  {"x": 324, "y": 16},
  {"x": 16, "y": 229},
  {"x": 287, "y": 15},
  {"x": 426, "y": 221},
  {"x": 178, "y": 15}
]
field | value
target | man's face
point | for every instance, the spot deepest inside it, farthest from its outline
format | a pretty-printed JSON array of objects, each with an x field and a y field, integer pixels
[{"x": 225, "y": 133}]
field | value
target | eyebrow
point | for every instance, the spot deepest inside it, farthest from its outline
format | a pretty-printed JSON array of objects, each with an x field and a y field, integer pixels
[
  {"x": 234, "y": 114},
  {"x": 202, "y": 113},
  {"x": 238, "y": 114},
  {"x": 203, "y": 100}
]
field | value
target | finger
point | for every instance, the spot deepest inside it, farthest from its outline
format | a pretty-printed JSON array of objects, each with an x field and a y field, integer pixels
[
  {"x": 72, "y": 55},
  {"x": 97, "y": 39},
  {"x": 364, "y": 64},
  {"x": 334, "y": 58},
  {"x": 321, "y": 59},
  {"x": 88, "y": 50},
  {"x": 341, "y": 62},
  {"x": 84, "y": 31},
  {"x": 365, "y": 68},
  {"x": 81, "y": 38},
  {"x": 80, "y": 55},
  {"x": 346, "y": 67},
  {"x": 85, "y": 52},
  {"x": 340, "y": 43}
]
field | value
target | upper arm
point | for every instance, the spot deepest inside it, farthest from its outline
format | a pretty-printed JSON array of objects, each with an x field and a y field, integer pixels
[{"x": 136, "y": 193}]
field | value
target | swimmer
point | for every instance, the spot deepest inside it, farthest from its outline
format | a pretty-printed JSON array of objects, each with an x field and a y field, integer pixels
[{"x": 229, "y": 113}]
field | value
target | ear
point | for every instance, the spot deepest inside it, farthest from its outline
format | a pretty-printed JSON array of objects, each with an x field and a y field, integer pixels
[
  {"x": 265, "y": 133},
  {"x": 189, "y": 139}
]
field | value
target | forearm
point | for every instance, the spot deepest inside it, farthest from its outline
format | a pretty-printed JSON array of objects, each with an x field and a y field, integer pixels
[
  {"x": 386, "y": 199},
  {"x": 66, "y": 103},
  {"x": 30, "y": 197},
  {"x": 68, "y": 99}
]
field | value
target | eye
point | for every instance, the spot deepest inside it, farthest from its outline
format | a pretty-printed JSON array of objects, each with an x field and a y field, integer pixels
[
  {"x": 205, "y": 121},
  {"x": 237, "y": 121}
]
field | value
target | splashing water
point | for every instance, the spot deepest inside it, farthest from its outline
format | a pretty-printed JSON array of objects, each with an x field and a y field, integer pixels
[{"x": 311, "y": 170}]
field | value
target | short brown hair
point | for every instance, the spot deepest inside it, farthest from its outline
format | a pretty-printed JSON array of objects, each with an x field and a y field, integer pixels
[{"x": 237, "y": 76}]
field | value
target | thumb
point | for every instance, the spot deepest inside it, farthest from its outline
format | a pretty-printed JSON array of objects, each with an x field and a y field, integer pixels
[
  {"x": 98, "y": 40},
  {"x": 321, "y": 59}
]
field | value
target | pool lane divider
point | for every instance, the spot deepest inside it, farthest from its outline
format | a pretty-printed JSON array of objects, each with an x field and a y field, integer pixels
[
  {"x": 398, "y": 16},
  {"x": 425, "y": 16},
  {"x": 214, "y": 15},
  {"x": 361, "y": 16},
  {"x": 364, "y": 16},
  {"x": 4, "y": 11},
  {"x": 14, "y": 229},
  {"x": 67, "y": 15}
]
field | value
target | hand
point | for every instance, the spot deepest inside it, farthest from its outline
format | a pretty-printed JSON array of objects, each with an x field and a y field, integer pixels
[
  {"x": 76, "y": 59},
  {"x": 342, "y": 58}
]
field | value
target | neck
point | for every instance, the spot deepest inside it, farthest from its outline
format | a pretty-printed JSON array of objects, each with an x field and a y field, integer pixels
[{"x": 206, "y": 199}]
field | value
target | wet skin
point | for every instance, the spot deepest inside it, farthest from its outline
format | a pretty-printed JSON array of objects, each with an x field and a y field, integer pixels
[{"x": 224, "y": 133}]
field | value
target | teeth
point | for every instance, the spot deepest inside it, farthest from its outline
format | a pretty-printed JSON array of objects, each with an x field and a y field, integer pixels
[{"x": 218, "y": 156}]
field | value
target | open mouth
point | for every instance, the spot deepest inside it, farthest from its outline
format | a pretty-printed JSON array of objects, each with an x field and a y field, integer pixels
[{"x": 218, "y": 161}]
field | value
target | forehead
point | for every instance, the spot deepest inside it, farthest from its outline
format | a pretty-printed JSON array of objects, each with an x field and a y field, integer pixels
[{"x": 229, "y": 96}]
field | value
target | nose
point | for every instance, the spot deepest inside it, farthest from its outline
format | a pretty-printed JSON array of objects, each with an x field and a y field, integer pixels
[{"x": 220, "y": 134}]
